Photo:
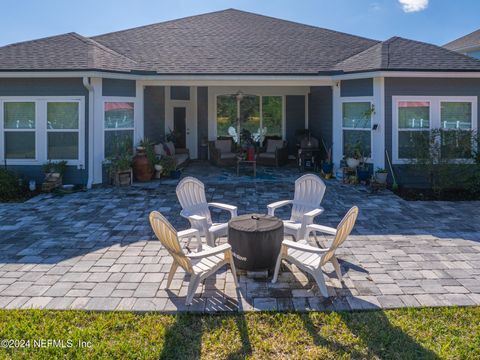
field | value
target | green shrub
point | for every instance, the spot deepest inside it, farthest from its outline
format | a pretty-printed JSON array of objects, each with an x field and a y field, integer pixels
[{"x": 9, "y": 186}]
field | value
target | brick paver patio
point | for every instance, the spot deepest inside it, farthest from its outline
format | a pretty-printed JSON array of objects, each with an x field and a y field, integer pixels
[{"x": 94, "y": 250}]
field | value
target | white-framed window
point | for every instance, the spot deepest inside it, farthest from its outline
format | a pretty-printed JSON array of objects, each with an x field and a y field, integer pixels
[
  {"x": 119, "y": 127},
  {"x": 63, "y": 130},
  {"x": 37, "y": 129},
  {"x": 256, "y": 111},
  {"x": 413, "y": 118},
  {"x": 357, "y": 125}
]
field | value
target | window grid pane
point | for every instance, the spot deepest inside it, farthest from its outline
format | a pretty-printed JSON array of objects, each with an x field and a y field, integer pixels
[
  {"x": 119, "y": 115},
  {"x": 62, "y": 115},
  {"x": 62, "y": 145},
  {"x": 19, "y": 115},
  {"x": 413, "y": 115},
  {"x": 356, "y": 115},
  {"x": 226, "y": 114},
  {"x": 413, "y": 144},
  {"x": 360, "y": 138},
  {"x": 19, "y": 144},
  {"x": 456, "y": 115},
  {"x": 117, "y": 142}
]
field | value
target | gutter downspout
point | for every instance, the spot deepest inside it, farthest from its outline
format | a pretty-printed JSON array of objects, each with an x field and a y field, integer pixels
[{"x": 89, "y": 87}]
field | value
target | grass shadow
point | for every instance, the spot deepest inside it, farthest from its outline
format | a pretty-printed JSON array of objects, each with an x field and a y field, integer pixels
[{"x": 183, "y": 339}]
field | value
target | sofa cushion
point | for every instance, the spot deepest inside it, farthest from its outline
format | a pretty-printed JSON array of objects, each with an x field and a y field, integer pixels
[
  {"x": 180, "y": 159},
  {"x": 273, "y": 145},
  {"x": 267, "y": 155},
  {"x": 171, "y": 147},
  {"x": 225, "y": 146},
  {"x": 159, "y": 151},
  {"x": 227, "y": 155}
]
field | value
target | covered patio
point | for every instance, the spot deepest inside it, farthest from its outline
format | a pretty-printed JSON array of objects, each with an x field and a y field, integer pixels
[{"x": 95, "y": 250}]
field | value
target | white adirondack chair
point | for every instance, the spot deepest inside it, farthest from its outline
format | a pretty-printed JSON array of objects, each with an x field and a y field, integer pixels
[
  {"x": 309, "y": 192},
  {"x": 199, "y": 265},
  {"x": 191, "y": 195},
  {"x": 310, "y": 258}
]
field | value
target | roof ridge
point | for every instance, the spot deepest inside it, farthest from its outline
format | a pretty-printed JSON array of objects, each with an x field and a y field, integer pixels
[
  {"x": 92, "y": 42},
  {"x": 157, "y": 23},
  {"x": 462, "y": 37},
  {"x": 238, "y": 11},
  {"x": 37, "y": 40}
]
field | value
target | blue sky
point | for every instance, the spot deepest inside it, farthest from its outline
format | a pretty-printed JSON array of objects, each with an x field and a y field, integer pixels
[{"x": 435, "y": 21}]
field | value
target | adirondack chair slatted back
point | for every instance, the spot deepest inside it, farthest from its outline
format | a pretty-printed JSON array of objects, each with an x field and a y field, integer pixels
[
  {"x": 309, "y": 192},
  {"x": 167, "y": 235},
  {"x": 191, "y": 195},
  {"x": 344, "y": 229}
]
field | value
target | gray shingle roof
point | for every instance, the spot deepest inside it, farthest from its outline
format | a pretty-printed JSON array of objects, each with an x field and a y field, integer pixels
[
  {"x": 465, "y": 42},
  {"x": 233, "y": 41},
  {"x": 69, "y": 51},
  {"x": 400, "y": 54},
  {"x": 229, "y": 42}
]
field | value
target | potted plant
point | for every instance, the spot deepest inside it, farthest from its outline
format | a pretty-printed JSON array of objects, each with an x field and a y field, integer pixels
[
  {"x": 353, "y": 155},
  {"x": 363, "y": 172},
  {"x": 54, "y": 172},
  {"x": 119, "y": 169},
  {"x": 169, "y": 168},
  {"x": 381, "y": 175}
]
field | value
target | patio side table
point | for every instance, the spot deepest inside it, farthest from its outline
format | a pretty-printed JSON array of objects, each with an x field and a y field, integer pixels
[
  {"x": 256, "y": 240},
  {"x": 241, "y": 162}
]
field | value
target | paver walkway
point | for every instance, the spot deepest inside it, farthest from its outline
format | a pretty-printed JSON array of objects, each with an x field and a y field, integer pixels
[{"x": 94, "y": 250}]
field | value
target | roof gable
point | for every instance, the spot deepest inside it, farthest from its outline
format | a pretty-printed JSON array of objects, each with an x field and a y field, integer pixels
[
  {"x": 468, "y": 41},
  {"x": 69, "y": 51},
  {"x": 403, "y": 54}
]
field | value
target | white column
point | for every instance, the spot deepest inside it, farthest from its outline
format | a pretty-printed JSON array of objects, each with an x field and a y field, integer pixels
[
  {"x": 98, "y": 136},
  {"x": 337, "y": 151},
  {"x": 378, "y": 135},
  {"x": 138, "y": 113}
]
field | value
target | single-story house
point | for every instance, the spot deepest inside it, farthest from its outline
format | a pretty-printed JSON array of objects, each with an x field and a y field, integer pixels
[
  {"x": 467, "y": 45},
  {"x": 75, "y": 98}
]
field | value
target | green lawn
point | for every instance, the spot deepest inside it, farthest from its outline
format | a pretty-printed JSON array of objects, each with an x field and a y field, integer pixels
[{"x": 429, "y": 333}]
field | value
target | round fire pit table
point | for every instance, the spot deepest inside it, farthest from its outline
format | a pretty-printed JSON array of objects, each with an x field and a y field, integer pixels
[{"x": 256, "y": 240}]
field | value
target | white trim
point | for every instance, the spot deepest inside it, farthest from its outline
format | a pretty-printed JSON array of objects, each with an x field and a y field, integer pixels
[
  {"x": 98, "y": 135},
  {"x": 378, "y": 135},
  {"x": 337, "y": 147},
  {"x": 41, "y": 130},
  {"x": 91, "y": 91},
  {"x": 239, "y": 80},
  {"x": 435, "y": 116}
]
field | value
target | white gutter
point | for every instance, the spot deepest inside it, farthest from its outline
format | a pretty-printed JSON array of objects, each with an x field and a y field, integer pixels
[{"x": 89, "y": 87}]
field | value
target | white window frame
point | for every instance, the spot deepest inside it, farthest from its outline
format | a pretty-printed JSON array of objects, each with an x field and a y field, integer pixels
[
  {"x": 435, "y": 117},
  {"x": 261, "y": 96},
  {"x": 71, "y": 161},
  {"x": 111, "y": 99},
  {"x": 41, "y": 129},
  {"x": 357, "y": 99}
]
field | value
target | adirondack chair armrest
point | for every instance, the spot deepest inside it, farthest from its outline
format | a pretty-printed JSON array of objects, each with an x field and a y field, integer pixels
[
  {"x": 188, "y": 233},
  {"x": 274, "y": 206},
  {"x": 321, "y": 228},
  {"x": 309, "y": 216},
  {"x": 231, "y": 208},
  {"x": 184, "y": 213},
  {"x": 303, "y": 247},
  {"x": 210, "y": 251}
]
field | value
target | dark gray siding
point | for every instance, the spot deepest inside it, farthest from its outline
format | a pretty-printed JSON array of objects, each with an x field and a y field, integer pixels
[
  {"x": 49, "y": 87},
  {"x": 154, "y": 113},
  {"x": 295, "y": 118},
  {"x": 320, "y": 113},
  {"x": 118, "y": 87},
  {"x": 422, "y": 87},
  {"x": 202, "y": 115},
  {"x": 179, "y": 93},
  {"x": 357, "y": 87}
]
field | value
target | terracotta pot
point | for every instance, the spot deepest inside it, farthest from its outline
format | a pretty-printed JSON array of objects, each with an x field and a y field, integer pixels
[{"x": 142, "y": 169}]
